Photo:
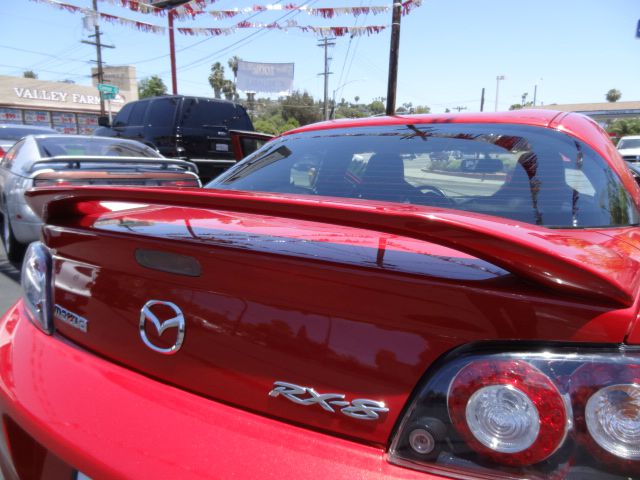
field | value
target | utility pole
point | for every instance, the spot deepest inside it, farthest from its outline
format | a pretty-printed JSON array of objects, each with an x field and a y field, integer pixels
[
  {"x": 535, "y": 94},
  {"x": 394, "y": 53},
  {"x": 482, "y": 100},
  {"x": 325, "y": 43},
  {"x": 99, "y": 47},
  {"x": 170, "y": 6},
  {"x": 172, "y": 53}
]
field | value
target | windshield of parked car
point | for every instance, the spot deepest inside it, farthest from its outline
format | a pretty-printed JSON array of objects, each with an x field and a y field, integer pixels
[
  {"x": 629, "y": 143},
  {"x": 530, "y": 174},
  {"x": 55, "y": 146}
]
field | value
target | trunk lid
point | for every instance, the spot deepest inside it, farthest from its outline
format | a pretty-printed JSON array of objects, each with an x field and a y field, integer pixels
[
  {"x": 69, "y": 170},
  {"x": 303, "y": 309}
]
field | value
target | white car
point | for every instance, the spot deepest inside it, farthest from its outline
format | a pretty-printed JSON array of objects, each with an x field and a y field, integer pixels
[{"x": 629, "y": 148}]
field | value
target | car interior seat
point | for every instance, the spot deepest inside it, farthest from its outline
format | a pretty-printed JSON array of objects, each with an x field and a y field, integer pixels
[
  {"x": 537, "y": 190},
  {"x": 383, "y": 179}
]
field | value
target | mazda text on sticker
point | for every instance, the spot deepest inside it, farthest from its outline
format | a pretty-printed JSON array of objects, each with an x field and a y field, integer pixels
[{"x": 408, "y": 297}]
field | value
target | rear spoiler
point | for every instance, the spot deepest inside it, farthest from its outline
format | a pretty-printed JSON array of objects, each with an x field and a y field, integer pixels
[
  {"x": 543, "y": 256},
  {"x": 76, "y": 161}
]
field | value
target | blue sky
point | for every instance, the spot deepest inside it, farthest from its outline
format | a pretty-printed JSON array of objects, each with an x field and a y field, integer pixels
[{"x": 573, "y": 50}]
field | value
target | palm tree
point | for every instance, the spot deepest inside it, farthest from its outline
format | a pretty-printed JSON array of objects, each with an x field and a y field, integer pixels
[
  {"x": 233, "y": 65},
  {"x": 216, "y": 79}
]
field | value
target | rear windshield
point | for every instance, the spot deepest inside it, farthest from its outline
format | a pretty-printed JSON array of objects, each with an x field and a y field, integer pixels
[
  {"x": 93, "y": 146},
  {"x": 16, "y": 133},
  {"x": 629, "y": 143},
  {"x": 530, "y": 174},
  {"x": 203, "y": 112}
]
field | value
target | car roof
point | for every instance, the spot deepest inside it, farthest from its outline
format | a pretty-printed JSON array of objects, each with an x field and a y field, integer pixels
[
  {"x": 630, "y": 137},
  {"x": 96, "y": 138},
  {"x": 219, "y": 100},
  {"x": 541, "y": 118},
  {"x": 22, "y": 126}
]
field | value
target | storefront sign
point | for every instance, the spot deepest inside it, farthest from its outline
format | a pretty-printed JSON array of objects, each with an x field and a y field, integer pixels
[{"x": 57, "y": 96}]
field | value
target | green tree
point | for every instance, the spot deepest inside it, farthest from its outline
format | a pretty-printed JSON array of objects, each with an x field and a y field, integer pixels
[
  {"x": 29, "y": 74},
  {"x": 518, "y": 106},
  {"x": 349, "y": 111},
  {"x": 623, "y": 127},
  {"x": 274, "y": 124},
  {"x": 302, "y": 107},
  {"x": 151, "y": 87},
  {"x": 613, "y": 95},
  {"x": 377, "y": 107},
  {"x": 216, "y": 79},
  {"x": 229, "y": 90},
  {"x": 422, "y": 109}
]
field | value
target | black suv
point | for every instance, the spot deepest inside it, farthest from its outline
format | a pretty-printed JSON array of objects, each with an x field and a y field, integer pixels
[{"x": 214, "y": 134}]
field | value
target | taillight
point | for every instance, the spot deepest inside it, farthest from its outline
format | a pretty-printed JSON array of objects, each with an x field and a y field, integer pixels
[
  {"x": 606, "y": 401},
  {"x": 526, "y": 415},
  {"x": 36, "y": 286},
  {"x": 51, "y": 182},
  {"x": 2, "y": 152},
  {"x": 179, "y": 183}
]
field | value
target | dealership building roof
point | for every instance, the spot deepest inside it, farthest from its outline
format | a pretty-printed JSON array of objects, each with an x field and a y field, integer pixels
[{"x": 599, "y": 111}]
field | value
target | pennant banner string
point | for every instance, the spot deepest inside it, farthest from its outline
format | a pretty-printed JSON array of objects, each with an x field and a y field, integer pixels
[
  {"x": 142, "y": 26},
  {"x": 291, "y": 24},
  {"x": 320, "y": 31},
  {"x": 197, "y": 7}
]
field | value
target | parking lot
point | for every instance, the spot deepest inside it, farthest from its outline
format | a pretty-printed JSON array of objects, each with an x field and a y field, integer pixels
[{"x": 9, "y": 283}]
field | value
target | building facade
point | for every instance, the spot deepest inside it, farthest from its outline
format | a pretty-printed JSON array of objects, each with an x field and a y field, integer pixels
[
  {"x": 66, "y": 107},
  {"x": 602, "y": 112}
]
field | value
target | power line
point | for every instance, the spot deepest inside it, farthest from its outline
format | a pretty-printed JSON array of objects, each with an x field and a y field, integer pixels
[
  {"x": 43, "y": 54},
  {"x": 66, "y": 74},
  {"x": 199, "y": 42},
  {"x": 207, "y": 58},
  {"x": 346, "y": 57}
]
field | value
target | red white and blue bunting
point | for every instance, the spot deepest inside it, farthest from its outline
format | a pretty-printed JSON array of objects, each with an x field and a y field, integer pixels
[
  {"x": 188, "y": 9},
  {"x": 319, "y": 31},
  {"x": 142, "y": 26},
  {"x": 197, "y": 7}
]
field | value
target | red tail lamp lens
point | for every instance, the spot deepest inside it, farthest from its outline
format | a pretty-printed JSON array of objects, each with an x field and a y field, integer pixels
[
  {"x": 606, "y": 402},
  {"x": 51, "y": 182},
  {"x": 179, "y": 183},
  {"x": 508, "y": 410}
]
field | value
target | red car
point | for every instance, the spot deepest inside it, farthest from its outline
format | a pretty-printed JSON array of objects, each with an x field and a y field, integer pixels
[{"x": 340, "y": 305}]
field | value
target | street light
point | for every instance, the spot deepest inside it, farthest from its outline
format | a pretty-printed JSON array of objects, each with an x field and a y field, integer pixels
[{"x": 498, "y": 78}]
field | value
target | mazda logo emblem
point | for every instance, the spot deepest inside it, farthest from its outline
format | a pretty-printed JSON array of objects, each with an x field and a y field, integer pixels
[{"x": 176, "y": 321}]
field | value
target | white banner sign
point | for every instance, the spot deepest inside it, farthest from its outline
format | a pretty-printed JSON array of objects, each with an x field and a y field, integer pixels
[{"x": 265, "y": 77}]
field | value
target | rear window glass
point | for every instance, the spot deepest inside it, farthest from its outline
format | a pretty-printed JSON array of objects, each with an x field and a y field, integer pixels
[
  {"x": 17, "y": 133},
  {"x": 203, "y": 112},
  {"x": 529, "y": 174},
  {"x": 93, "y": 146},
  {"x": 137, "y": 114},
  {"x": 629, "y": 143},
  {"x": 122, "y": 118},
  {"x": 163, "y": 112}
]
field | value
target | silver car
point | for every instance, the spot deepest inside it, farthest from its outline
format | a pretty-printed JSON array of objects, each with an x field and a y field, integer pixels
[
  {"x": 10, "y": 133},
  {"x": 50, "y": 160}
]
